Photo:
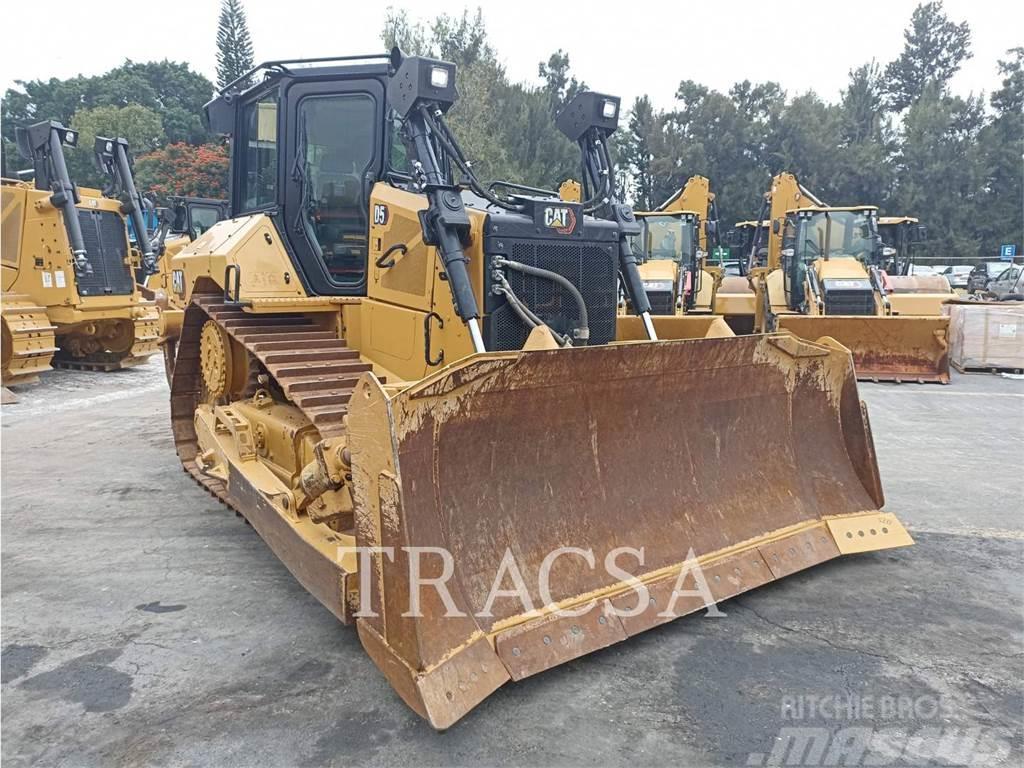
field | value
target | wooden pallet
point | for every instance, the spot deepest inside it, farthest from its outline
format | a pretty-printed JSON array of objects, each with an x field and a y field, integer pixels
[{"x": 987, "y": 368}]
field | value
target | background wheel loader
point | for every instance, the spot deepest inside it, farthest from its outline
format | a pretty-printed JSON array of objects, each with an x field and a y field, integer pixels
[
  {"x": 821, "y": 280},
  {"x": 908, "y": 294},
  {"x": 372, "y": 355},
  {"x": 671, "y": 251},
  {"x": 69, "y": 297}
]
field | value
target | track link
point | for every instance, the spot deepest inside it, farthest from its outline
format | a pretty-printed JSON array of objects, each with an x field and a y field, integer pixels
[
  {"x": 314, "y": 369},
  {"x": 145, "y": 342},
  {"x": 28, "y": 339}
]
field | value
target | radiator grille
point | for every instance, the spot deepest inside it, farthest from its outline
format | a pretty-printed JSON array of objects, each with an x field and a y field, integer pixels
[
  {"x": 106, "y": 246},
  {"x": 662, "y": 302},
  {"x": 590, "y": 267},
  {"x": 849, "y": 297}
]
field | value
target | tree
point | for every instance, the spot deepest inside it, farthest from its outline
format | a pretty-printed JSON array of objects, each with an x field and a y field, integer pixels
[
  {"x": 140, "y": 125},
  {"x": 234, "y": 45},
  {"x": 933, "y": 51},
  {"x": 999, "y": 217},
  {"x": 636, "y": 154},
  {"x": 864, "y": 171},
  {"x": 169, "y": 88},
  {"x": 183, "y": 169},
  {"x": 506, "y": 129},
  {"x": 939, "y": 169}
]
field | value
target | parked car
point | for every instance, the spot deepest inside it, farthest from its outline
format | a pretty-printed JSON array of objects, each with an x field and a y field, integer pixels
[
  {"x": 957, "y": 275},
  {"x": 922, "y": 269},
  {"x": 983, "y": 274},
  {"x": 1008, "y": 284}
]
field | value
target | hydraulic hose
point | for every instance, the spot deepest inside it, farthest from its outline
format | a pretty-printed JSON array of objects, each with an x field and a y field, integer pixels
[
  {"x": 583, "y": 332},
  {"x": 524, "y": 312}
]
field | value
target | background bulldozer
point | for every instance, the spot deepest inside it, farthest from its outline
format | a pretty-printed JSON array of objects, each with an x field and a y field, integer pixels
[
  {"x": 69, "y": 295},
  {"x": 821, "y": 279},
  {"x": 373, "y": 355}
]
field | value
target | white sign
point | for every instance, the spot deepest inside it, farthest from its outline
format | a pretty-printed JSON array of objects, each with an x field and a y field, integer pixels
[
  {"x": 58, "y": 276},
  {"x": 47, "y": 280}
]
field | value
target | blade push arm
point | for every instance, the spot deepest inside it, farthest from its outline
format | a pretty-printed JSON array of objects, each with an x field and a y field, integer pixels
[
  {"x": 589, "y": 119},
  {"x": 113, "y": 159}
]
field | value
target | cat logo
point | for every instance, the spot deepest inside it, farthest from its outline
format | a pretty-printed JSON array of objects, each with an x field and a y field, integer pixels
[
  {"x": 178, "y": 282},
  {"x": 560, "y": 218}
]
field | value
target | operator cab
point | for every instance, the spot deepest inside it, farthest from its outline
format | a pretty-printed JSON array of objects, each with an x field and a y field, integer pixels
[
  {"x": 900, "y": 237},
  {"x": 312, "y": 138},
  {"x": 310, "y": 141},
  {"x": 668, "y": 237},
  {"x": 817, "y": 233}
]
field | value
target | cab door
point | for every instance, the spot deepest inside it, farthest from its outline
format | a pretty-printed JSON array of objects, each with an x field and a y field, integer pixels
[{"x": 335, "y": 151}]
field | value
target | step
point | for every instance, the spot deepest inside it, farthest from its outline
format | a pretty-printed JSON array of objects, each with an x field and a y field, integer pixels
[
  {"x": 276, "y": 322},
  {"x": 294, "y": 356},
  {"x": 321, "y": 368},
  {"x": 326, "y": 397},
  {"x": 296, "y": 344},
  {"x": 312, "y": 384},
  {"x": 258, "y": 337},
  {"x": 326, "y": 414}
]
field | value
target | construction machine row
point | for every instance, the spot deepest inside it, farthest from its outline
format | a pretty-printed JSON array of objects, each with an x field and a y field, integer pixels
[{"x": 421, "y": 388}]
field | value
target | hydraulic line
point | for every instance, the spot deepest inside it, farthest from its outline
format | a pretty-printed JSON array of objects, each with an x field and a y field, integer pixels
[{"x": 583, "y": 332}]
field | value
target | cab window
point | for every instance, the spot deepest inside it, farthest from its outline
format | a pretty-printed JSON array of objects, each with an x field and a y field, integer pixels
[
  {"x": 260, "y": 127},
  {"x": 336, "y": 149},
  {"x": 203, "y": 217}
]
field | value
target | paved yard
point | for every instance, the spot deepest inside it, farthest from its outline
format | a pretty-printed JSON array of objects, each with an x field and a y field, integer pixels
[{"x": 143, "y": 624}]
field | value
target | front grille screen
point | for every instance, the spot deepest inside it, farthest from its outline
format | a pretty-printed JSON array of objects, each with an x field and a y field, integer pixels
[
  {"x": 589, "y": 266},
  {"x": 662, "y": 302},
  {"x": 107, "y": 248}
]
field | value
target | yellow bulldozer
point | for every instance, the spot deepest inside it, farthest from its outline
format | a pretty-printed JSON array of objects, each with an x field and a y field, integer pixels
[
  {"x": 821, "y": 279},
  {"x": 69, "y": 295},
  {"x": 184, "y": 220},
  {"x": 418, "y": 392}
]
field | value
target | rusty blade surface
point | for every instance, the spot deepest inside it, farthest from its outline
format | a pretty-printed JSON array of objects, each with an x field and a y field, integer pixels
[
  {"x": 883, "y": 348},
  {"x": 701, "y": 446}
]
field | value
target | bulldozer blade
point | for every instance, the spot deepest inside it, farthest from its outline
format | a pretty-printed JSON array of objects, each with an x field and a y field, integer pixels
[
  {"x": 895, "y": 348},
  {"x": 519, "y": 480}
]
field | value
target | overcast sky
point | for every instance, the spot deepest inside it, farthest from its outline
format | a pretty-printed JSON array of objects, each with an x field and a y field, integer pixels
[{"x": 613, "y": 46}]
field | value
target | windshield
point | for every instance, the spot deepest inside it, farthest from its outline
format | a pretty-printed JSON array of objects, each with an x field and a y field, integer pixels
[
  {"x": 889, "y": 234},
  {"x": 830, "y": 234},
  {"x": 664, "y": 237}
]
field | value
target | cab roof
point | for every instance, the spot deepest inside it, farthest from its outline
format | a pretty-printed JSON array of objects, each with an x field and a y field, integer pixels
[
  {"x": 832, "y": 209},
  {"x": 646, "y": 214},
  {"x": 898, "y": 220}
]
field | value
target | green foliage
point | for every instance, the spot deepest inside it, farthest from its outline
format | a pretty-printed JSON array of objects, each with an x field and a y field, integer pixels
[
  {"x": 999, "y": 214},
  {"x": 151, "y": 104},
  {"x": 896, "y": 138},
  {"x": 934, "y": 49},
  {"x": 506, "y": 129},
  {"x": 140, "y": 125},
  {"x": 234, "y": 45}
]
